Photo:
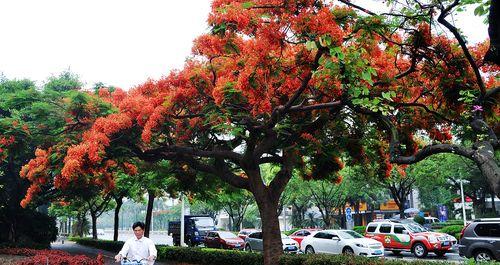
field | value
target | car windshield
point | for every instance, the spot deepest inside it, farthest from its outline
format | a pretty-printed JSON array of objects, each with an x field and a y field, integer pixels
[
  {"x": 226, "y": 235},
  {"x": 415, "y": 228},
  {"x": 347, "y": 234},
  {"x": 203, "y": 221}
]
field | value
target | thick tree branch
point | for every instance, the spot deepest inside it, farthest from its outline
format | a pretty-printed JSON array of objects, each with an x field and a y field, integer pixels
[{"x": 184, "y": 150}]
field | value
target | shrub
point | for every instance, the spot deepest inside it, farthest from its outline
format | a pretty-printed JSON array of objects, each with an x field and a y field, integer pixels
[
  {"x": 32, "y": 229},
  {"x": 360, "y": 229},
  {"x": 452, "y": 229},
  {"x": 208, "y": 256},
  {"x": 109, "y": 245},
  {"x": 419, "y": 219},
  {"x": 447, "y": 223}
]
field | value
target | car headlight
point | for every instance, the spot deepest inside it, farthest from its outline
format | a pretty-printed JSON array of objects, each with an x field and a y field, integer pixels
[
  {"x": 359, "y": 245},
  {"x": 432, "y": 239}
]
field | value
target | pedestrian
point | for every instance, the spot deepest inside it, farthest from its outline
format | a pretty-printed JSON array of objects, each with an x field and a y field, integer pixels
[{"x": 138, "y": 247}]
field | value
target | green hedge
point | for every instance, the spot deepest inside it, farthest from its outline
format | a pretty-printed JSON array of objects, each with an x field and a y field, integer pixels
[
  {"x": 360, "y": 229},
  {"x": 448, "y": 223},
  {"x": 109, "y": 245},
  {"x": 206, "y": 256},
  {"x": 453, "y": 230}
]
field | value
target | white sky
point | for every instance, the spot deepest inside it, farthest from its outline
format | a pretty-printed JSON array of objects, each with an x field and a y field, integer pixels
[{"x": 118, "y": 42}]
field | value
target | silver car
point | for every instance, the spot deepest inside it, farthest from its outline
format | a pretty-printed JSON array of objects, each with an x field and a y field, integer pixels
[{"x": 254, "y": 242}]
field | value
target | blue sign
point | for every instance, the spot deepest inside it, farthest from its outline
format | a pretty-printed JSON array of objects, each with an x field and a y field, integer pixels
[
  {"x": 442, "y": 213},
  {"x": 348, "y": 213}
]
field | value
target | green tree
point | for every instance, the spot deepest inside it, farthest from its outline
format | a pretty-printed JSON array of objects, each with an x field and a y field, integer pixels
[{"x": 65, "y": 81}]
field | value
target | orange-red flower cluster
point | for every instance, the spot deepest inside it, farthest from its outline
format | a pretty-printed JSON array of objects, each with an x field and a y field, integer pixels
[{"x": 53, "y": 257}]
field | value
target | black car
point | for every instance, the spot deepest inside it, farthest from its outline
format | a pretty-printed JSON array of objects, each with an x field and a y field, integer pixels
[{"x": 481, "y": 240}]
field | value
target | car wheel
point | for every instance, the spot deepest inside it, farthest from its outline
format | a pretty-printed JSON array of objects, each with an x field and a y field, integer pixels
[
  {"x": 419, "y": 250},
  {"x": 348, "y": 251},
  {"x": 396, "y": 252},
  {"x": 310, "y": 250},
  {"x": 440, "y": 253},
  {"x": 482, "y": 255},
  {"x": 248, "y": 248}
]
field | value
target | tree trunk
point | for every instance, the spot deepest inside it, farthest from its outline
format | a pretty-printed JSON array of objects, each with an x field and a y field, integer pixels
[
  {"x": 485, "y": 160},
  {"x": 149, "y": 212},
  {"x": 271, "y": 235},
  {"x": 119, "y": 203},
  {"x": 94, "y": 225}
]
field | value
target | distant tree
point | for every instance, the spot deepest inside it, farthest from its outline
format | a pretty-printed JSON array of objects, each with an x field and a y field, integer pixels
[{"x": 65, "y": 81}]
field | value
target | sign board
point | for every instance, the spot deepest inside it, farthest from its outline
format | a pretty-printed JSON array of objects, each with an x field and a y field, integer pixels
[
  {"x": 468, "y": 206},
  {"x": 442, "y": 213},
  {"x": 389, "y": 206},
  {"x": 348, "y": 213},
  {"x": 348, "y": 217}
]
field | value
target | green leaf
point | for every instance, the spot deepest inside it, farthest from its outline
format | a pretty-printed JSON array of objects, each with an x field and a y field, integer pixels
[
  {"x": 311, "y": 45},
  {"x": 247, "y": 5},
  {"x": 366, "y": 91}
]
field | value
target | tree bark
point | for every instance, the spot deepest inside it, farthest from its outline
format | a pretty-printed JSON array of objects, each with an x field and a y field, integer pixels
[
  {"x": 485, "y": 160},
  {"x": 271, "y": 235},
  {"x": 149, "y": 212},
  {"x": 267, "y": 199},
  {"x": 94, "y": 225},
  {"x": 119, "y": 203}
]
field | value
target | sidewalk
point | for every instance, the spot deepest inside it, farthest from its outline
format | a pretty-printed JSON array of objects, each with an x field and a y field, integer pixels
[{"x": 73, "y": 248}]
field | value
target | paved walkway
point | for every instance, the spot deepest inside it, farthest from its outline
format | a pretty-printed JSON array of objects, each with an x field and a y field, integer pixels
[{"x": 76, "y": 249}]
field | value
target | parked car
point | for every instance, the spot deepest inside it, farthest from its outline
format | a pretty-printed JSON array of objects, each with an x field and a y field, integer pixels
[
  {"x": 254, "y": 243},
  {"x": 481, "y": 240},
  {"x": 409, "y": 236},
  {"x": 245, "y": 232},
  {"x": 223, "y": 239},
  {"x": 428, "y": 221},
  {"x": 341, "y": 242},
  {"x": 299, "y": 235}
]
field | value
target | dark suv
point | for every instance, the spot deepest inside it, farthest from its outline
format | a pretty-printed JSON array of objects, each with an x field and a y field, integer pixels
[{"x": 481, "y": 240}]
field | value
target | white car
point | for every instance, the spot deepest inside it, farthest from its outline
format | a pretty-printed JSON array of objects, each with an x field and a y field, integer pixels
[
  {"x": 341, "y": 242},
  {"x": 253, "y": 242}
]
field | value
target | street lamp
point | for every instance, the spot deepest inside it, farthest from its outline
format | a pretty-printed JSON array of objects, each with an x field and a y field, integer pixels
[{"x": 463, "y": 199}]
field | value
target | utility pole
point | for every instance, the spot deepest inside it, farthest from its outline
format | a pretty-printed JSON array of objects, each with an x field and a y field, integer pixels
[
  {"x": 463, "y": 201},
  {"x": 183, "y": 244}
]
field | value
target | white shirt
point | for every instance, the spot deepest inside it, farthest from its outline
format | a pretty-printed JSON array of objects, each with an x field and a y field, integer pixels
[{"x": 137, "y": 249}]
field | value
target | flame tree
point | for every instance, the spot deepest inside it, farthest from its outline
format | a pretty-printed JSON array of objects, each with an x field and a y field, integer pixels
[{"x": 307, "y": 85}]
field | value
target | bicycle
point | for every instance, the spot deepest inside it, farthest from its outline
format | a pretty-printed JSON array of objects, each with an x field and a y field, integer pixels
[{"x": 126, "y": 261}]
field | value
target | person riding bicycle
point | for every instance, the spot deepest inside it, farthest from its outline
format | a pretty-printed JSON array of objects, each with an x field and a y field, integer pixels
[{"x": 138, "y": 247}]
